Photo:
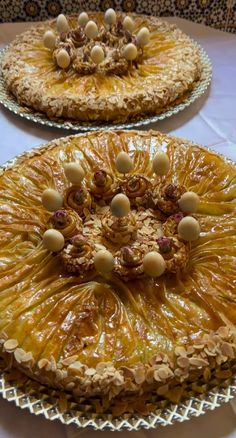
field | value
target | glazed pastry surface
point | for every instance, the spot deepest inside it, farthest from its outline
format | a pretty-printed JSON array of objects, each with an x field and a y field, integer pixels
[
  {"x": 169, "y": 67},
  {"x": 66, "y": 331}
]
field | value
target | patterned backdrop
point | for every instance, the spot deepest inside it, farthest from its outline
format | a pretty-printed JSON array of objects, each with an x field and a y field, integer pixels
[{"x": 220, "y": 14}]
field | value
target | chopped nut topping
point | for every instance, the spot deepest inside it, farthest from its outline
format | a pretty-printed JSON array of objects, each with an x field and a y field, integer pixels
[
  {"x": 76, "y": 366},
  {"x": 197, "y": 362},
  {"x": 10, "y": 344},
  {"x": 180, "y": 351},
  {"x": 90, "y": 372},
  {"x": 43, "y": 363},
  {"x": 183, "y": 362},
  {"x": 162, "y": 373},
  {"x": 19, "y": 354},
  {"x": 69, "y": 360}
]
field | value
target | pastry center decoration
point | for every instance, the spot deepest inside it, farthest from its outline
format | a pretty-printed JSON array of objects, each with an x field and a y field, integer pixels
[
  {"x": 108, "y": 48},
  {"x": 121, "y": 224}
]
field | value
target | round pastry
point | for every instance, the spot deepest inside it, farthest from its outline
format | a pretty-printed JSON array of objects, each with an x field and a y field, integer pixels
[
  {"x": 78, "y": 198},
  {"x": 88, "y": 71},
  {"x": 100, "y": 316},
  {"x": 78, "y": 257},
  {"x": 103, "y": 187},
  {"x": 166, "y": 197},
  {"x": 68, "y": 222},
  {"x": 137, "y": 189}
]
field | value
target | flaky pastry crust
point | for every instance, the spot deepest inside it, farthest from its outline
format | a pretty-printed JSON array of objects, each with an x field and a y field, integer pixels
[
  {"x": 169, "y": 68},
  {"x": 105, "y": 336}
]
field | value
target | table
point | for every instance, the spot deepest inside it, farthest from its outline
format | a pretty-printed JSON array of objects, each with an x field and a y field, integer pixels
[{"x": 210, "y": 121}]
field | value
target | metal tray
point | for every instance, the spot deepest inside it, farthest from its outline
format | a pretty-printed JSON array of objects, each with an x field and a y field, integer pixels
[{"x": 56, "y": 405}]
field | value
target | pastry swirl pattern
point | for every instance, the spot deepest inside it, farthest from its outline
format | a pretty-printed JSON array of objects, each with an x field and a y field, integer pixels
[{"x": 110, "y": 336}]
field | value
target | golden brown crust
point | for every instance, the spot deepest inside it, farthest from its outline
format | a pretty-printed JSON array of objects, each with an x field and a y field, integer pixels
[
  {"x": 107, "y": 336},
  {"x": 119, "y": 230},
  {"x": 170, "y": 68},
  {"x": 67, "y": 221},
  {"x": 103, "y": 185},
  {"x": 78, "y": 198}
]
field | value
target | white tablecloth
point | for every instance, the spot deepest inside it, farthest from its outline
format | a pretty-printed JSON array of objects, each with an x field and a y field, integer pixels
[{"x": 210, "y": 121}]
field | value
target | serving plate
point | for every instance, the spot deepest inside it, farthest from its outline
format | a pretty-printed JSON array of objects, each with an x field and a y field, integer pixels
[
  {"x": 8, "y": 101},
  {"x": 58, "y": 405}
]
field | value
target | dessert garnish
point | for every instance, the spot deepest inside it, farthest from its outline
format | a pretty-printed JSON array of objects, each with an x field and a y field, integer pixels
[
  {"x": 74, "y": 172},
  {"x": 78, "y": 256},
  {"x": 52, "y": 200},
  {"x": 78, "y": 198},
  {"x": 136, "y": 187},
  {"x": 103, "y": 185},
  {"x": 62, "y": 58},
  {"x": 62, "y": 24},
  {"x": 120, "y": 206},
  {"x": 189, "y": 228},
  {"x": 165, "y": 244},
  {"x": 171, "y": 191},
  {"x": 49, "y": 39},
  {"x": 118, "y": 224},
  {"x": 130, "y": 52},
  {"x": 97, "y": 54},
  {"x": 188, "y": 202},
  {"x": 104, "y": 261},
  {"x": 53, "y": 240},
  {"x": 110, "y": 48},
  {"x": 110, "y": 17},
  {"x": 177, "y": 217},
  {"x": 154, "y": 264},
  {"x": 130, "y": 256},
  {"x": 166, "y": 197},
  {"x": 124, "y": 163},
  {"x": 161, "y": 164},
  {"x": 91, "y": 30},
  {"x": 170, "y": 226},
  {"x": 129, "y": 263},
  {"x": 143, "y": 37},
  {"x": 123, "y": 247},
  {"x": 67, "y": 221},
  {"x": 60, "y": 218},
  {"x": 128, "y": 24},
  {"x": 83, "y": 19},
  {"x": 100, "y": 178}
]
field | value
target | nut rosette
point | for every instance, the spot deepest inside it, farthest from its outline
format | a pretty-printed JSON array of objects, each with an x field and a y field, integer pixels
[
  {"x": 175, "y": 252},
  {"x": 103, "y": 186},
  {"x": 166, "y": 197},
  {"x": 78, "y": 257},
  {"x": 119, "y": 230},
  {"x": 68, "y": 222},
  {"x": 78, "y": 198},
  {"x": 129, "y": 263},
  {"x": 170, "y": 226},
  {"x": 67, "y": 45},
  {"x": 136, "y": 187},
  {"x": 77, "y": 37}
]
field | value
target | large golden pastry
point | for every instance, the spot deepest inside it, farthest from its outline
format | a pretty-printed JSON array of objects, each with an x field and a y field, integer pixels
[
  {"x": 133, "y": 297},
  {"x": 110, "y": 68}
]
